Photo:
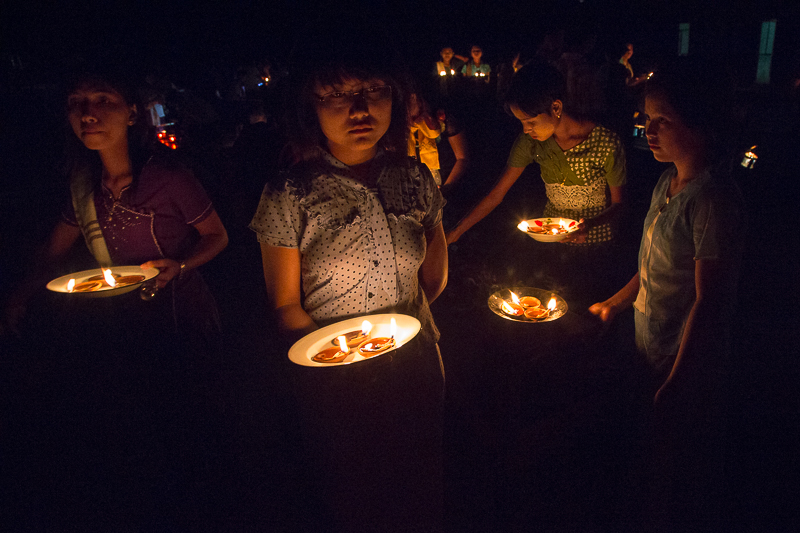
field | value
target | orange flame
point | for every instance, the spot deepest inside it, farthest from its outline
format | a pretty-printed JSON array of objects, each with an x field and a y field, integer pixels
[
  {"x": 366, "y": 327},
  {"x": 343, "y": 343},
  {"x": 109, "y": 277},
  {"x": 523, "y": 226},
  {"x": 70, "y": 285},
  {"x": 514, "y": 297},
  {"x": 551, "y": 305}
]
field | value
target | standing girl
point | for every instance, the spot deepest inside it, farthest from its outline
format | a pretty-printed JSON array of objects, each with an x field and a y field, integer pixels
[{"x": 354, "y": 228}]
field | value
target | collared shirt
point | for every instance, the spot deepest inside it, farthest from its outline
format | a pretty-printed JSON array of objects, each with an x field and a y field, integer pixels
[
  {"x": 702, "y": 221},
  {"x": 153, "y": 216},
  {"x": 361, "y": 247}
]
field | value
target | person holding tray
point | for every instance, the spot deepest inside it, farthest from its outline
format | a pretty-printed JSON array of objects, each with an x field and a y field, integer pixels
[
  {"x": 683, "y": 295},
  {"x": 582, "y": 165},
  {"x": 133, "y": 207},
  {"x": 137, "y": 378},
  {"x": 354, "y": 228}
]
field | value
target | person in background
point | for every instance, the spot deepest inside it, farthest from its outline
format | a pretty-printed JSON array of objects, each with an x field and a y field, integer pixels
[
  {"x": 455, "y": 161},
  {"x": 424, "y": 134},
  {"x": 450, "y": 65},
  {"x": 475, "y": 68},
  {"x": 684, "y": 293},
  {"x": 631, "y": 80},
  {"x": 448, "y": 69}
]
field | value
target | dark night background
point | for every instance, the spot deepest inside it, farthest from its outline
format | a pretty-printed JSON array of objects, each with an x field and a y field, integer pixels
[{"x": 200, "y": 45}]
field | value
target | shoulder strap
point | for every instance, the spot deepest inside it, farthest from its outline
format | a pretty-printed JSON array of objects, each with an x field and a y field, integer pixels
[{"x": 86, "y": 215}]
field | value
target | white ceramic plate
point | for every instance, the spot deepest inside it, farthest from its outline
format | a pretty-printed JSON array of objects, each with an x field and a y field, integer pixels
[
  {"x": 60, "y": 284},
  {"x": 303, "y": 350},
  {"x": 496, "y": 300},
  {"x": 572, "y": 225}
]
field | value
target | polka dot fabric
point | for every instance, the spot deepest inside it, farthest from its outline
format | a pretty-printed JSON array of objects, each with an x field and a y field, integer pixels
[
  {"x": 576, "y": 180},
  {"x": 361, "y": 247}
]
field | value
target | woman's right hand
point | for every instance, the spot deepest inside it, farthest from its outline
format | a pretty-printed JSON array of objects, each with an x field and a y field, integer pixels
[
  {"x": 606, "y": 311},
  {"x": 452, "y": 236}
]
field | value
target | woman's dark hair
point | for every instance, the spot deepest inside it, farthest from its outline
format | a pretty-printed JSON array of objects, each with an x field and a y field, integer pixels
[
  {"x": 76, "y": 155},
  {"x": 534, "y": 88},
  {"x": 701, "y": 97},
  {"x": 329, "y": 55}
]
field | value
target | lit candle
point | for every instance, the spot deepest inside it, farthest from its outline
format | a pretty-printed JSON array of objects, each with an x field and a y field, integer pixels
[
  {"x": 749, "y": 158},
  {"x": 513, "y": 308},
  {"x": 378, "y": 345},
  {"x": 109, "y": 277},
  {"x": 343, "y": 344}
]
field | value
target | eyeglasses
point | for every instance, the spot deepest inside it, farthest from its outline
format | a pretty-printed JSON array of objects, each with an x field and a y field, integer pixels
[{"x": 376, "y": 93}]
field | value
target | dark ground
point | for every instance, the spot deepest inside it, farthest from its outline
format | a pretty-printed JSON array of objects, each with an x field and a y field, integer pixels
[{"x": 540, "y": 431}]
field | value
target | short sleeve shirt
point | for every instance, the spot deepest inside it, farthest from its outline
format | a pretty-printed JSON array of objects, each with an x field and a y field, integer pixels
[
  {"x": 700, "y": 222},
  {"x": 153, "y": 217},
  {"x": 576, "y": 180},
  {"x": 361, "y": 247},
  {"x": 600, "y": 156}
]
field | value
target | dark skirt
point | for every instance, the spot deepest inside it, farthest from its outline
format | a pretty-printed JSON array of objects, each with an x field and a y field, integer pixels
[{"x": 372, "y": 439}]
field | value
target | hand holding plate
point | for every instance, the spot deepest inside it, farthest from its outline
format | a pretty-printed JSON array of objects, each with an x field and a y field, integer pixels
[{"x": 169, "y": 269}]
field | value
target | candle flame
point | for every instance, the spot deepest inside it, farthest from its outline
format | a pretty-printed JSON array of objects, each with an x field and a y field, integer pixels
[
  {"x": 70, "y": 285},
  {"x": 366, "y": 327},
  {"x": 514, "y": 297},
  {"x": 753, "y": 147},
  {"x": 442, "y": 73},
  {"x": 507, "y": 308},
  {"x": 551, "y": 305},
  {"x": 393, "y": 327},
  {"x": 343, "y": 343},
  {"x": 523, "y": 226},
  {"x": 109, "y": 277},
  {"x": 554, "y": 231}
]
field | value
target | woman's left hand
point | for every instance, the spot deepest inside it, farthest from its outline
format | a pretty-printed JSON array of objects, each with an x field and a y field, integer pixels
[
  {"x": 169, "y": 268},
  {"x": 580, "y": 234}
]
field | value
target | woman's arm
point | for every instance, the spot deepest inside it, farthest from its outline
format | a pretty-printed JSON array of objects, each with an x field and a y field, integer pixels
[
  {"x": 213, "y": 239},
  {"x": 507, "y": 179},
  {"x": 459, "y": 145},
  {"x": 282, "y": 278},
  {"x": 619, "y": 302},
  {"x": 712, "y": 279},
  {"x": 433, "y": 271}
]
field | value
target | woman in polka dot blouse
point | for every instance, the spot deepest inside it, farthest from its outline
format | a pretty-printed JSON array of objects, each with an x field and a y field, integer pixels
[
  {"x": 354, "y": 228},
  {"x": 582, "y": 163}
]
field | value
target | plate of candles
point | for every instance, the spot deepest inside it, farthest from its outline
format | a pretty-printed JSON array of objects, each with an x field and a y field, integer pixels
[
  {"x": 526, "y": 304},
  {"x": 354, "y": 340},
  {"x": 548, "y": 229},
  {"x": 103, "y": 282}
]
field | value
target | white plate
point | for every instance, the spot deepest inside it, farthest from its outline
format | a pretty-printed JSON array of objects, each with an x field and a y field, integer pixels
[
  {"x": 496, "y": 300},
  {"x": 549, "y": 237},
  {"x": 303, "y": 350},
  {"x": 60, "y": 284}
]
